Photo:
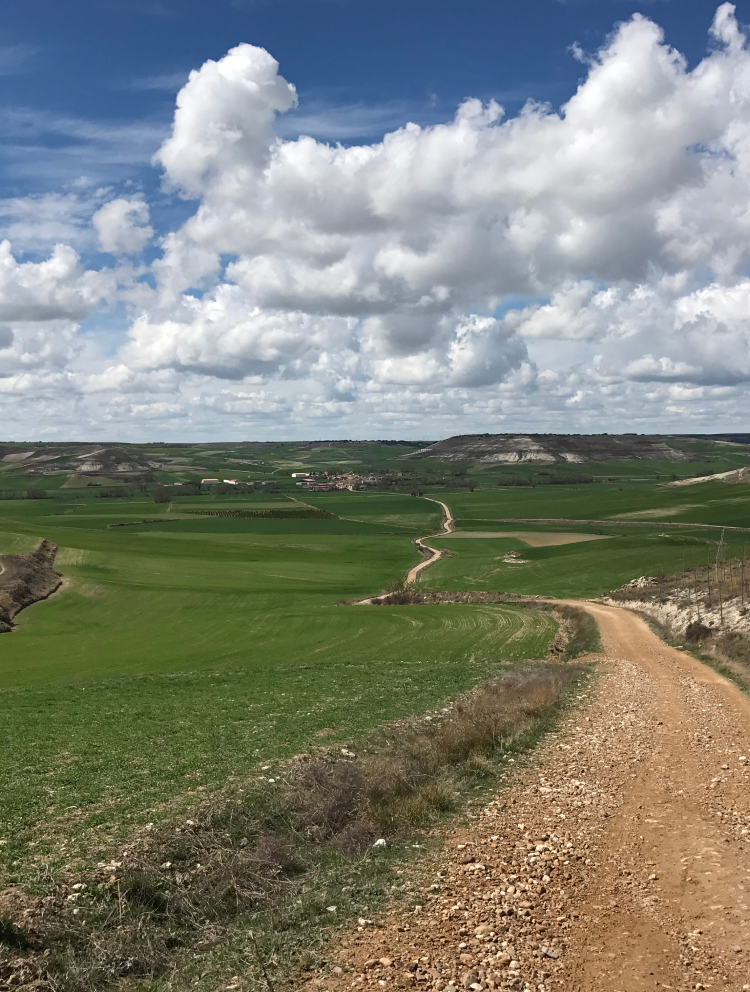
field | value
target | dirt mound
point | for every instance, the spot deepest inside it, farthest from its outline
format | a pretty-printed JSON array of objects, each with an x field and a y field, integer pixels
[
  {"x": 736, "y": 476},
  {"x": 517, "y": 449},
  {"x": 26, "y": 579}
]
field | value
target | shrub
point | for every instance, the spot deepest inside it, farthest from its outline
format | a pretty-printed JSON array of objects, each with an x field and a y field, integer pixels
[
  {"x": 734, "y": 646},
  {"x": 139, "y": 888},
  {"x": 10, "y": 935},
  {"x": 584, "y": 633},
  {"x": 696, "y": 632}
]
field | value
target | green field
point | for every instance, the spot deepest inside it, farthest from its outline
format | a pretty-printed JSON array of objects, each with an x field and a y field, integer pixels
[
  {"x": 187, "y": 649},
  {"x": 183, "y": 652},
  {"x": 706, "y": 503},
  {"x": 633, "y": 518}
]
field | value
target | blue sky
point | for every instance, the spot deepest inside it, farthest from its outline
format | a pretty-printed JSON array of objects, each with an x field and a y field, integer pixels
[
  {"x": 101, "y": 75},
  {"x": 88, "y": 99}
]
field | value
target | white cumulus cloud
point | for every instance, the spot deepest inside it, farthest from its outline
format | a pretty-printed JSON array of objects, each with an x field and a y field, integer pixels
[
  {"x": 57, "y": 288},
  {"x": 595, "y": 206},
  {"x": 445, "y": 271},
  {"x": 122, "y": 226}
]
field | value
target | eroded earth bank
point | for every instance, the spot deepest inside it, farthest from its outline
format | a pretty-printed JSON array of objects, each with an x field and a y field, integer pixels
[
  {"x": 26, "y": 579},
  {"x": 617, "y": 859}
]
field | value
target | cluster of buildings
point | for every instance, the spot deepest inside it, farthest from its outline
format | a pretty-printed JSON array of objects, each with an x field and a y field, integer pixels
[{"x": 323, "y": 482}]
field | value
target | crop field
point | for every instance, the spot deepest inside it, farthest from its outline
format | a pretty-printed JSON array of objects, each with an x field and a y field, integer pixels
[
  {"x": 636, "y": 540},
  {"x": 204, "y": 635},
  {"x": 182, "y": 652},
  {"x": 191, "y": 643},
  {"x": 716, "y": 503}
]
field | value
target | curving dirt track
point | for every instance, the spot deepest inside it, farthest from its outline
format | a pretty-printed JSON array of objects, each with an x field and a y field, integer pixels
[
  {"x": 616, "y": 860},
  {"x": 447, "y": 527}
]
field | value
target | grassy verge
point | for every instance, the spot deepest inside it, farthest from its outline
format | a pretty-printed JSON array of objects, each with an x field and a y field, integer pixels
[
  {"x": 583, "y": 632},
  {"x": 259, "y": 875}
]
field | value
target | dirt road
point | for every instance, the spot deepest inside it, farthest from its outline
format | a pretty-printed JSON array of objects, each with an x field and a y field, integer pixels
[
  {"x": 447, "y": 527},
  {"x": 616, "y": 860}
]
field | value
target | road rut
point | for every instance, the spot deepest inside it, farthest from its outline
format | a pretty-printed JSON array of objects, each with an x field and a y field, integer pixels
[{"x": 617, "y": 858}]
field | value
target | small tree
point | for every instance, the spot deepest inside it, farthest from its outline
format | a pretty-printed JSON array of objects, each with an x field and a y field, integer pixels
[
  {"x": 162, "y": 496},
  {"x": 36, "y": 494}
]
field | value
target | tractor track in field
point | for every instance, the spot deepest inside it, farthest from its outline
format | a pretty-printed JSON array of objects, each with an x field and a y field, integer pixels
[{"x": 617, "y": 858}]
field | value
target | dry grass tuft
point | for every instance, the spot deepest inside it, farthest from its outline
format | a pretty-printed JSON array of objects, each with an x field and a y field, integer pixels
[{"x": 583, "y": 637}]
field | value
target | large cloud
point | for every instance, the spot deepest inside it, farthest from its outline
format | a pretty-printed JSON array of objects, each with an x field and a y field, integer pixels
[
  {"x": 410, "y": 280},
  {"x": 641, "y": 177}
]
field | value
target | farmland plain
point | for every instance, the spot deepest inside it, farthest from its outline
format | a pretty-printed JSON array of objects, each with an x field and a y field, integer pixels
[
  {"x": 184, "y": 652},
  {"x": 193, "y": 645},
  {"x": 634, "y": 518},
  {"x": 187, "y": 648}
]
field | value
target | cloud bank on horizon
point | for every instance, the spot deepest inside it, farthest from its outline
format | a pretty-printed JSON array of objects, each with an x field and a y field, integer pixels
[{"x": 582, "y": 269}]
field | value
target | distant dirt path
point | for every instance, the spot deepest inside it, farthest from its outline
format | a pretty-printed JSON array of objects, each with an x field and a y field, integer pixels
[
  {"x": 617, "y": 860},
  {"x": 447, "y": 527}
]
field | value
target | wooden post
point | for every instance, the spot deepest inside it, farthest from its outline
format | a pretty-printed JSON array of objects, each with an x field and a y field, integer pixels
[{"x": 742, "y": 576}]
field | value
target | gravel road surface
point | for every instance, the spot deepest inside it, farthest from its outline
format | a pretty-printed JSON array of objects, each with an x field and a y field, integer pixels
[{"x": 617, "y": 858}]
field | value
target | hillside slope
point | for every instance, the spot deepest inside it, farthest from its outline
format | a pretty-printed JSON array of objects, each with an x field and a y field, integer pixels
[{"x": 515, "y": 449}]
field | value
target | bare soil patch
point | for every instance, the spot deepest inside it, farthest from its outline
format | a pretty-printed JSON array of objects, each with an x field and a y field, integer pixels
[
  {"x": 534, "y": 539},
  {"x": 734, "y": 476}
]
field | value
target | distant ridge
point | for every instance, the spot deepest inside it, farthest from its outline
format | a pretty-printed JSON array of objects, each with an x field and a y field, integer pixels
[
  {"x": 576, "y": 449},
  {"x": 729, "y": 438}
]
